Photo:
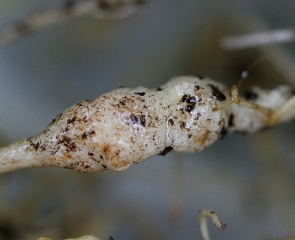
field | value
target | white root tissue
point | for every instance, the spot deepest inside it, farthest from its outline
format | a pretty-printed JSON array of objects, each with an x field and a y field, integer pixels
[{"x": 128, "y": 126}]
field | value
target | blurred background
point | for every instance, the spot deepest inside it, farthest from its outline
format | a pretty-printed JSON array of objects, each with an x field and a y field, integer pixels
[{"x": 248, "y": 179}]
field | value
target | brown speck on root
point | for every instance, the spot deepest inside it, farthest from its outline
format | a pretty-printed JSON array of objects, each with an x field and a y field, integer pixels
[
  {"x": 87, "y": 134},
  {"x": 203, "y": 138},
  {"x": 140, "y": 93},
  {"x": 55, "y": 119},
  {"x": 72, "y": 120},
  {"x": 189, "y": 108},
  {"x": 68, "y": 143},
  {"x": 142, "y": 120},
  {"x": 182, "y": 125},
  {"x": 250, "y": 95},
  {"x": 184, "y": 97},
  {"x": 191, "y": 100},
  {"x": 35, "y": 146},
  {"x": 198, "y": 116},
  {"x": 134, "y": 119},
  {"x": 43, "y": 147},
  {"x": 171, "y": 122},
  {"x": 166, "y": 150},
  {"x": 223, "y": 132},
  {"x": 217, "y": 94},
  {"x": 231, "y": 120},
  {"x": 107, "y": 149}
]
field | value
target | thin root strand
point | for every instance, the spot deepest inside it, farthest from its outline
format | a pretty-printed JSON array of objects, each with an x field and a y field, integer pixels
[{"x": 203, "y": 222}]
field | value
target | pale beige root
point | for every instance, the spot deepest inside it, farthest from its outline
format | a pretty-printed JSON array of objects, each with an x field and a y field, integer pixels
[
  {"x": 284, "y": 113},
  {"x": 203, "y": 222},
  {"x": 257, "y": 39},
  {"x": 270, "y": 42},
  {"x": 235, "y": 99},
  {"x": 276, "y": 105},
  {"x": 18, "y": 155},
  {"x": 128, "y": 126},
  {"x": 86, "y": 237},
  {"x": 106, "y": 9}
]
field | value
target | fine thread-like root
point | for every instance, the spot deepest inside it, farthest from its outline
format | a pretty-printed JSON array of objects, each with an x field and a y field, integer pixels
[
  {"x": 235, "y": 99},
  {"x": 86, "y": 237},
  {"x": 274, "y": 116},
  {"x": 71, "y": 9},
  {"x": 257, "y": 39},
  {"x": 203, "y": 214}
]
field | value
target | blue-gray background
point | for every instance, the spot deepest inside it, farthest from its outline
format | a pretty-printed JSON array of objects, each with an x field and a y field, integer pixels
[{"x": 248, "y": 180}]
